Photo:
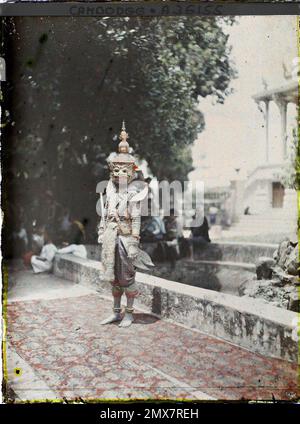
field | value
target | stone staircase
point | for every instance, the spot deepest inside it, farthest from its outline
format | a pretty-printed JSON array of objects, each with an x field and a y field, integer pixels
[
  {"x": 235, "y": 252},
  {"x": 275, "y": 224}
]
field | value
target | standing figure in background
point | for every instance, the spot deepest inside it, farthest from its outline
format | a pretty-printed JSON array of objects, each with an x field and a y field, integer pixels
[
  {"x": 199, "y": 234},
  {"x": 119, "y": 231},
  {"x": 213, "y": 214},
  {"x": 172, "y": 234}
]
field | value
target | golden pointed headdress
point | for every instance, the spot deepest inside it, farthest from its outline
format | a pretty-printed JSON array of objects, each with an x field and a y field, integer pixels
[{"x": 123, "y": 155}]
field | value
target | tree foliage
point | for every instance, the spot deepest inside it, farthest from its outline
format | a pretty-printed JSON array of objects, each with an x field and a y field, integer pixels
[{"x": 74, "y": 80}]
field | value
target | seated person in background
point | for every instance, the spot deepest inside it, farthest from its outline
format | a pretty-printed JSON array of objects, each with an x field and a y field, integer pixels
[
  {"x": 199, "y": 234},
  {"x": 38, "y": 240},
  {"x": 152, "y": 229},
  {"x": 171, "y": 237},
  {"x": 73, "y": 245},
  {"x": 64, "y": 224},
  {"x": 37, "y": 244},
  {"x": 20, "y": 239},
  {"x": 76, "y": 233},
  {"x": 75, "y": 249},
  {"x": 44, "y": 262}
]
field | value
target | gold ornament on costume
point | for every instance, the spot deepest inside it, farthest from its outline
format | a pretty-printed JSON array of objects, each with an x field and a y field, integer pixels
[
  {"x": 123, "y": 145},
  {"x": 122, "y": 165}
]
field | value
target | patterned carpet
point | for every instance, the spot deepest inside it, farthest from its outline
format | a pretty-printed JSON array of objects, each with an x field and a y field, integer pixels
[{"x": 66, "y": 346}]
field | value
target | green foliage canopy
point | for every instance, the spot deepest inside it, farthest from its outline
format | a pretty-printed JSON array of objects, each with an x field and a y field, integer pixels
[
  {"x": 151, "y": 72},
  {"x": 73, "y": 80}
]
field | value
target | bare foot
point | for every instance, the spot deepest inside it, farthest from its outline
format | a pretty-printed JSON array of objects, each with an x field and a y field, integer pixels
[
  {"x": 127, "y": 320},
  {"x": 112, "y": 318}
]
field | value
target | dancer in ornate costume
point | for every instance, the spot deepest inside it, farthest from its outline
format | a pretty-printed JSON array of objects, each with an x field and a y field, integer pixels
[{"x": 119, "y": 231}]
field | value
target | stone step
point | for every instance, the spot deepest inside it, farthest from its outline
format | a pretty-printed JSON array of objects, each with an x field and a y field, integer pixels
[
  {"x": 267, "y": 219},
  {"x": 253, "y": 232},
  {"x": 235, "y": 251},
  {"x": 264, "y": 225},
  {"x": 269, "y": 215},
  {"x": 267, "y": 223},
  {"x": 226, "y": 264},
  {"x": 274, "y": 225},
  {"x": 256, "y": 237},
  {"x": 260, "y": 229}
]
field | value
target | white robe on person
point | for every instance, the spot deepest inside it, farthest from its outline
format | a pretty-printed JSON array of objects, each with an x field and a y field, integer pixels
[
  {"x": 75, "y": 249},
  {"x": 45, "y": 263}
]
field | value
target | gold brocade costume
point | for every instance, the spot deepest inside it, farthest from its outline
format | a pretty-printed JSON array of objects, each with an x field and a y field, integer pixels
[{"x": 119, "y": 229}]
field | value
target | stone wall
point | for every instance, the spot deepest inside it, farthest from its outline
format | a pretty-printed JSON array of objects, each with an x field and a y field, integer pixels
[
  {"x": 236, "y": 251},
  {"x": 222, "y": 267},
  {"x": 221, "y": 251},
  {"x": 215, "y": 276},
  {"x": 248, "y": 323}
]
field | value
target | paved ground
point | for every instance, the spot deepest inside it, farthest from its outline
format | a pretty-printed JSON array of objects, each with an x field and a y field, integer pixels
[{"x": 57, "y": 349}]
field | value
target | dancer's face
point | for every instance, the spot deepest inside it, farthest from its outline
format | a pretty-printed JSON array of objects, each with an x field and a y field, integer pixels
[{"x": 122, "y": 173}]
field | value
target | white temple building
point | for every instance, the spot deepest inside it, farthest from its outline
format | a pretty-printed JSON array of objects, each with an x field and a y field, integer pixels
[
  {"x": 263, "y": 189},
  {"x": 272, "y": 207}
]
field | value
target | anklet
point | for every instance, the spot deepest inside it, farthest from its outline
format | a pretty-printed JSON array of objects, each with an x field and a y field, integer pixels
[
  {"x": 117, "y": 310},
  {"x": 130, "y": 310}
]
